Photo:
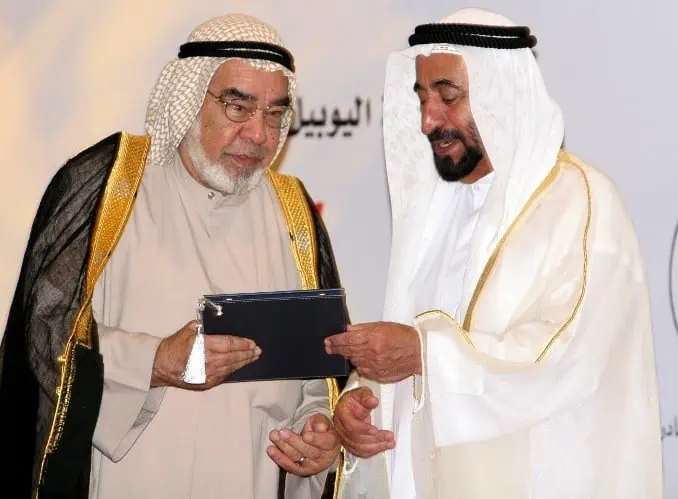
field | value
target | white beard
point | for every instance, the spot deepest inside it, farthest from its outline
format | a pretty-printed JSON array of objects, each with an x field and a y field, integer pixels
[{"x": 213, "y": 174}]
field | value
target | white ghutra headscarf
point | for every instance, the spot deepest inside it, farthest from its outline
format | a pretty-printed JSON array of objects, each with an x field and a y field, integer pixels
[{"x": 520, "y": 127}]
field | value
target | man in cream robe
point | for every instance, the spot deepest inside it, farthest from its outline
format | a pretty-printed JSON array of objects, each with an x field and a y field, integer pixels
[
  {"x": 165, "y": 225},
  {"x": 191, "y": 443},
  {"x": 516, "y": 357}
]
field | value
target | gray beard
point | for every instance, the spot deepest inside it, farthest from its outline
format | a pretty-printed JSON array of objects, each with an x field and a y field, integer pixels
[{"x": 213, "y": 174}]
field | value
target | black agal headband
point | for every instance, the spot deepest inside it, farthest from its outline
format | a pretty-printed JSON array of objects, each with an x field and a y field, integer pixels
[
  {"x": 474, "y": 35},
  {"x": 243, "y": 49}
]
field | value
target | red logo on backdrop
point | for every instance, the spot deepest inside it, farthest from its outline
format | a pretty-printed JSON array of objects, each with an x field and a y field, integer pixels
[{"x": 320, "y": 206}]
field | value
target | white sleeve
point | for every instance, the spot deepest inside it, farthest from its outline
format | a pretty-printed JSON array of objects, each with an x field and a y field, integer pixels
[{"x": 482, "y": 385}]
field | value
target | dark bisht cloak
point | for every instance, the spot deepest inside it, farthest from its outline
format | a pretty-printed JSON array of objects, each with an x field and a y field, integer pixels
[{"x": 51, "y": 372}]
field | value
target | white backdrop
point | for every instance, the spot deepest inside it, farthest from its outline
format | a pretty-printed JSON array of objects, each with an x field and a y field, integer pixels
[{"x": 74, "y": 71}]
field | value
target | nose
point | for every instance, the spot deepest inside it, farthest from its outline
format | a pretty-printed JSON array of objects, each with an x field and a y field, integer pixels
[
  {"x": 254, "y": 129},
  {"x": 432, "y": 116}
]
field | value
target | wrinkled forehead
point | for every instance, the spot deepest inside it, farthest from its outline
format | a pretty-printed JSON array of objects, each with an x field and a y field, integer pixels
[{"x": 239, "y": 76}]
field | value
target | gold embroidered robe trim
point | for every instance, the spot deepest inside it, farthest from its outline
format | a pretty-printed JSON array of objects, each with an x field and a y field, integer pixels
[
  {"x": 299, "y": 220},
  {"x": 565, "y": 160},
  {"x": 114, "y": 211}
]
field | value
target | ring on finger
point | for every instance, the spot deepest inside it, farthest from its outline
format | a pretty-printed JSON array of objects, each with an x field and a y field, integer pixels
[{"x": 300, "y": 461}]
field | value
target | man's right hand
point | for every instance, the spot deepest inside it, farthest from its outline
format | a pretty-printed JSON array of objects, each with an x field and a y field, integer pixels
[
  {"x": 223, "y": 355},
  {"x": 352, "y": 422}
]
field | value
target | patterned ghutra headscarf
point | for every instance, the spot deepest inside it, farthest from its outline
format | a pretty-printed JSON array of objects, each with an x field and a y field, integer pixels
[{"x": 182, "y": 85}]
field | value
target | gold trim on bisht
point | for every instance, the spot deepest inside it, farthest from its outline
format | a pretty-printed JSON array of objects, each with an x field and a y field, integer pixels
[
  {"x": 489, "y": 266},
  {"x": 573, "y": 162},
  {"x": 114, "y": 211},
  {"x": 564, "y": 160},
  {"x": 299, "y": 222}
]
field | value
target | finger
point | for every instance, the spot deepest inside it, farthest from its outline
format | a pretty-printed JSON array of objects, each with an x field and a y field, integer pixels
[
  {"x": 225, "y": 371},
  {"x": 225, "y": 343},
  {"x": 362, "y": 449},
  {"x": 308, "y": 467},
  {"x": 326, "y": 441},
  {"x": 190, "y": 326},
  {"x": 218, "y": 360},
  {"x": 378, "y": 436},
  {"x": 366, "y": 434},
  {"x": 293, "y": 445},
  {"x": 350, "y": 352},
  {"x": 356, "y": 404},
  {"x": 355, "y": 410},
  {"x": 360, "y": 429},
  {"x": 239, "y": 356},
  {"x": 299, "y": 444},
  {"x": 188, "y": 332},
  {"x": 284, "y": 447},
  {"x": 367, "y": 353},
  {"x": 308, "y": 426},
  {"x": 346, "y": 339},
  {"x": 365, "y": 397},
  {"x": 357, "y": 440},
  {"x": 366, "y": 451},
  {"x": 355, "y": 426}
]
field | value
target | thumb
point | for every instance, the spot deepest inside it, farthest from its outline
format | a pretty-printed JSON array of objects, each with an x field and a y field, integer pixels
[
  {"x": 308, "y": 425},
  {"x": 319, "y": 423},
  {"x": 362, "y": 403},
  {"x": 190, "y": 328},
  {"x": 366, "y": 398}
]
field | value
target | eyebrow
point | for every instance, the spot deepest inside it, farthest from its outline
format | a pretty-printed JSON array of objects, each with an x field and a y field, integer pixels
[
  {"x": 236, "y": 93},
  {"x": 281, "y": 101},
  {"x": 443, "y": 82}
]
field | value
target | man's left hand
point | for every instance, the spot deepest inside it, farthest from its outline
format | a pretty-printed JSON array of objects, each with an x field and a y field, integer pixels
[
  {"x": 315, "y": 450},
  {"x": 385, "y": 352}
]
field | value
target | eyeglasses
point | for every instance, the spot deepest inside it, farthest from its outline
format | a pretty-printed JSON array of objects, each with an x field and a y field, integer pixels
[{"x": 239, "y": 111}]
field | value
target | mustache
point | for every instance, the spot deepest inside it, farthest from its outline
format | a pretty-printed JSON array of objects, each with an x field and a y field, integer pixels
[
  {"x": 444, "y": 135},
  {"x": 253, "y": 151}
]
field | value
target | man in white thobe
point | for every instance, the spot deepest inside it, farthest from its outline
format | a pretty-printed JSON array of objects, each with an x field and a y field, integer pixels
[{"x": 515, "y": 359}]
